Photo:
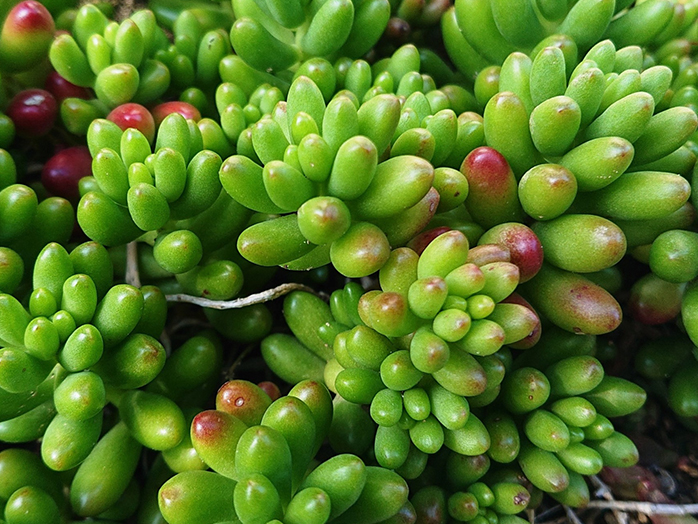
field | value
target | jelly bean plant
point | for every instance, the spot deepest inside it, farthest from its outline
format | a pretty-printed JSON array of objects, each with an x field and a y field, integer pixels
[{"x": 347, "y": 261}]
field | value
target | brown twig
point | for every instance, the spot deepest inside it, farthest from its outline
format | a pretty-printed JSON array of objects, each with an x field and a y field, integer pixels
[{"x": 256, "y": 298}]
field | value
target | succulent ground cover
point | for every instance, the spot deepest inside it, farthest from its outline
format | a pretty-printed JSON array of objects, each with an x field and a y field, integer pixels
[{"x": 348, "y": 261}]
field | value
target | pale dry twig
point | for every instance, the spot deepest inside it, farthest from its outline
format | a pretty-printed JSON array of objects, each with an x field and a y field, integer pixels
[{"x": 256, "y": 298}]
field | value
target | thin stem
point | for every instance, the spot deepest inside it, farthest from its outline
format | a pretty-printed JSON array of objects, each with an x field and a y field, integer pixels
[
  {"x": 648, "y": 508},
  {"x": 133, "y": 276},
  {"x": 188, "y": 322},
  {"x": 604, "y": 491},
  {"x": 531, "y": 516},
  {"x": 256, "y": 298},
  {"x": 572, "y": 516},
  {"x": 166, "y": 342},
  {"x": 548, "y": 513},
  {"x": 230, "y": 374}
]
